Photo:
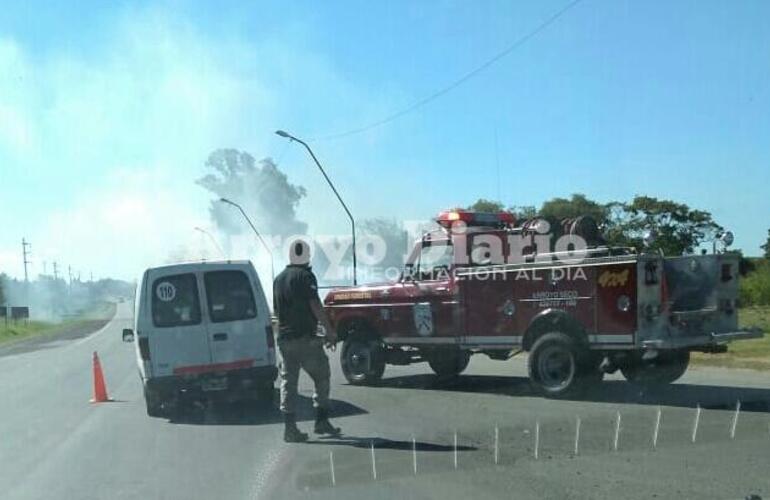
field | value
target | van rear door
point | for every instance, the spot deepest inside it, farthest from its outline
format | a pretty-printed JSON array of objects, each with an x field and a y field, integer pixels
[
  {"x": 237, "y": 318},
  {"x": 179, "y": 339}
]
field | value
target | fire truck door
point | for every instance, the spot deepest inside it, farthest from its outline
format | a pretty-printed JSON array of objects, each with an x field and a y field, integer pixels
[{"x": 435, "y": 307}]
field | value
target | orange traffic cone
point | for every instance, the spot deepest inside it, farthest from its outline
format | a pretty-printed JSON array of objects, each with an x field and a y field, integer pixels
[{"x": 100, "y": 388}]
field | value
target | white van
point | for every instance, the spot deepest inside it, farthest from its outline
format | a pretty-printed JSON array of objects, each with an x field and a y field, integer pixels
[{"x": 203, "y": 329}]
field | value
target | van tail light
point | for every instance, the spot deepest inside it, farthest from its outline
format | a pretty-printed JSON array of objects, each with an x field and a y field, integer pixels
[
  {"x": 269, "y": 337},
  {"x": 144, "y": 348}
]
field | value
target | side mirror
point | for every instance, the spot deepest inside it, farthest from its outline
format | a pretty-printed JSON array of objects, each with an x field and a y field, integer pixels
[{"x": 128, "y": 335}]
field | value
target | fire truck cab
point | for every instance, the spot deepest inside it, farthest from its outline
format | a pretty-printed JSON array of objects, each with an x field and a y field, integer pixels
[{"x": 553, "y": 289}]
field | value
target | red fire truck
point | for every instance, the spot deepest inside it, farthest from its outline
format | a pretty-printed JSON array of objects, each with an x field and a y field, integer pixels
[{"x": 484, "y": 284}]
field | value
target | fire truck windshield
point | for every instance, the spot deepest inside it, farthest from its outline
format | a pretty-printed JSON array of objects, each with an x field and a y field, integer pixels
[{"x": 434, "y": 261}]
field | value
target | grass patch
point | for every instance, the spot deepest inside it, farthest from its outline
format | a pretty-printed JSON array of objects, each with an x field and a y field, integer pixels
[
  {"x": 14, "y": 331},
  {"x": 753, "y": 353}
]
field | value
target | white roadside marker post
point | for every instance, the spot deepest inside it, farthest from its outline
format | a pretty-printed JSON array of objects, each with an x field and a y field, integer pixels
[
  {"x": 497, "y": 444},
  {"x": 331, "y": 466},
  {"x": 655, "y": 430},
  {"x": 414, "y": 455},
  {"x": 617, "y": 433},
  {"x": 537, "y": 439},
  {"x": 695, "y": 423},
  {"x": 577, "y": 436},
  {"x": 455, "y": 447},
  {"x": 374, "y": 463},
  {"x": 735, "y": 419}
]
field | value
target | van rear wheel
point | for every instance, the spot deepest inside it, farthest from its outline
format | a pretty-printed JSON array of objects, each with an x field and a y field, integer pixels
[
  {"x": 362, "y": 360},
  {"x": 156, "y": 406}
]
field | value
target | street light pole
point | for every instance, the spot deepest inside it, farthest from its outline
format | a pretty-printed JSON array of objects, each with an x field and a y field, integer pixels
[
  {"x": 345, "y": 207},
  {"x": 213, "y": 240},
  {"x": 272, "y": 265}
]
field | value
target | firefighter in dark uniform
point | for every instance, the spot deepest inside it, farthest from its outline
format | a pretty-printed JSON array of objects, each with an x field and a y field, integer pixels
[{"x": 299, "y": 310}]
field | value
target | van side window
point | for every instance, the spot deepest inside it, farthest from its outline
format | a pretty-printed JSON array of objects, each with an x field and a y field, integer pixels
[
  {"x": 175, "y": 301},
  {"x": 230, "y": 297}
]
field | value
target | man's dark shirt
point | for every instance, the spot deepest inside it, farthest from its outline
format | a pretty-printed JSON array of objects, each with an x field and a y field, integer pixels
[{"x": 293, "y": 289}]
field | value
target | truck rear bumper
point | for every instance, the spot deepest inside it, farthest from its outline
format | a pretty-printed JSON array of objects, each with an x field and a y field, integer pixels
[{"x": 713, "y": 339}]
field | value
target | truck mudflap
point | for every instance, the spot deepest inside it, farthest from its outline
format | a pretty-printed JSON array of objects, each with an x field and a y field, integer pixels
[{"x": 713, "y": 339}]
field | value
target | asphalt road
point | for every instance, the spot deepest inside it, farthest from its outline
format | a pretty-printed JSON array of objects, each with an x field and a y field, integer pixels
[{"x": 54, "y": 444}]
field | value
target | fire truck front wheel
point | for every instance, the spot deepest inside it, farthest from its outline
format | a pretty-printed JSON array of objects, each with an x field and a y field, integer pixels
[
  {"x": 558, "y": 365},
  {"x": 362, "y": 360}
]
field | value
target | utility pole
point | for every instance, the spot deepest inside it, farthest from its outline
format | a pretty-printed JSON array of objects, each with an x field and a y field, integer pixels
[
  {"x": 334, "y": 189},
  {"x": 55, "y": 271},
  {"x": 25, "y": 251}
]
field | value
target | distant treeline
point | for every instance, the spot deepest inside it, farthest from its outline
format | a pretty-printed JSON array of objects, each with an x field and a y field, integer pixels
[
  {"x": 755, "y": 285},
  {"x": 53, "y": 299}
]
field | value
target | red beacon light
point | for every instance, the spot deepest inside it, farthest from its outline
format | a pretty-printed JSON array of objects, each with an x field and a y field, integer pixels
[{"x": 446, "y": 218}]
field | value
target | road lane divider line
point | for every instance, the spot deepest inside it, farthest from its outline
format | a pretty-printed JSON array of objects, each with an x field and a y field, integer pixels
[{"x": 93, "y": 335}]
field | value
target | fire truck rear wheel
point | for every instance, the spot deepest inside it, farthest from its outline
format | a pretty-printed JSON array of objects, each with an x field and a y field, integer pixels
[
  {"x": 448, "y": 362},
  {"x": 362, "y": 360},
  {"x": 558, "y": 366},
  {"x": 667, "y": 368}
]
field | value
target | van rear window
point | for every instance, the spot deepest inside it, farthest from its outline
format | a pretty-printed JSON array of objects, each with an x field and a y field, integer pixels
[
  {"x": 175, "y": 301},
  {"x": 230, "y": 297}
]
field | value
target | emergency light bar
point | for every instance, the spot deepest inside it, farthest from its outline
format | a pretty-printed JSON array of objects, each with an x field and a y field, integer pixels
[{"x": 447, "y": 217}]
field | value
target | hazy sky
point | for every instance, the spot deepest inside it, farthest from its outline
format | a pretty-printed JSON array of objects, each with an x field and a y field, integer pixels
[{"x": 108, "y": 111}]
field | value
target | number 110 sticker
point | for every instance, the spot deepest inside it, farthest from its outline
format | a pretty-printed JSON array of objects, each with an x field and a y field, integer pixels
[{"x": 165, "y": 291}]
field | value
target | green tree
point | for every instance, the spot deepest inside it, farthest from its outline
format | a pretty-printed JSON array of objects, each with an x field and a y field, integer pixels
[
  {"x": 755, "y": 287},
  {"x": 2, "y": 284},
  {"x": 522, "y": 212},
  {"x": 766, "y": 246},
  {"x": 261, "y": 188},
  {"x": 394, "y": 235},
  {"x": 487, "y": 206},
  {"x": 678, "y": 228},
  {"x": 577, "y": 205}
]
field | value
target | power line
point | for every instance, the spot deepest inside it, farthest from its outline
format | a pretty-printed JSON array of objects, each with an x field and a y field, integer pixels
[{"x": 435, "y": 95}]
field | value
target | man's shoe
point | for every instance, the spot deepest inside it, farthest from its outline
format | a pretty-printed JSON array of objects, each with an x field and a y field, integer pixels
[
  {"x": 322, "y": 424},
  {"x": 291, "y": 434}
]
